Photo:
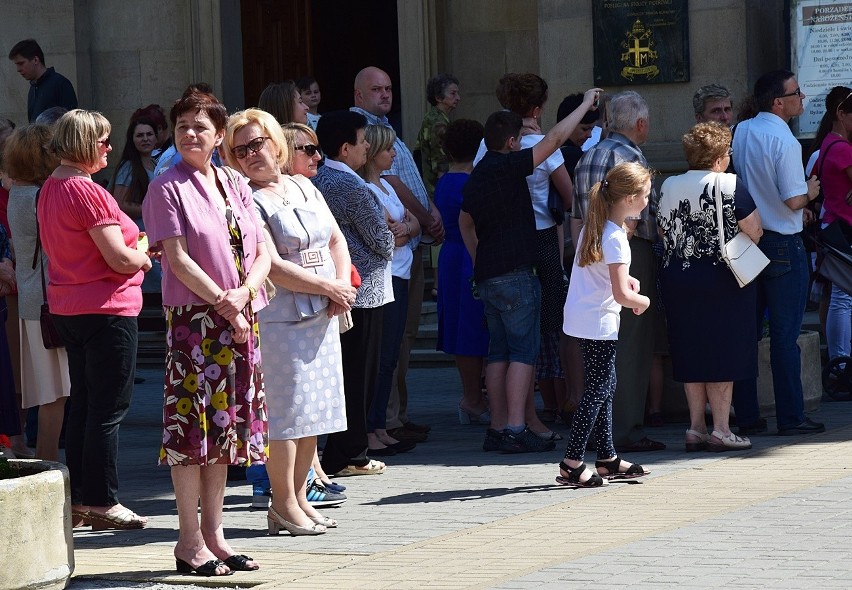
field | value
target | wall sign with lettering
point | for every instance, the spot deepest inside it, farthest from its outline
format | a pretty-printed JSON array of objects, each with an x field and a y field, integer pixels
[
  {"x": 640, "y": 42},
  {"x": 822, "y": 59}
]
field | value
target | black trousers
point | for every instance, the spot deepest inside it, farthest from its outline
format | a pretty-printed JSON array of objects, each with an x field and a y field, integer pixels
[
  {"x": 360, "y": 351},
  {"x": 102, "y": 364}
]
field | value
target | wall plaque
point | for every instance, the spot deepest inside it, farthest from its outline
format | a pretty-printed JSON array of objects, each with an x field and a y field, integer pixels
[{"x": 640, "y": 42}]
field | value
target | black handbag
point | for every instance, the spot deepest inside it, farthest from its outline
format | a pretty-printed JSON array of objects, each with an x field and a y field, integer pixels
[{"x": 49, "y": 334}]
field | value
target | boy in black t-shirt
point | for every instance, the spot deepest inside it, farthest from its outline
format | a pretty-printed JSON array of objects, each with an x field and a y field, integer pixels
[{"x": 498, "y": 228}]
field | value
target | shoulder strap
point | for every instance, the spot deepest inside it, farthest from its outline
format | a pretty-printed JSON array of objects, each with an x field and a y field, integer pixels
[
  {"x": 37, "y": 251},
  {"x": 823, "y": 156}
]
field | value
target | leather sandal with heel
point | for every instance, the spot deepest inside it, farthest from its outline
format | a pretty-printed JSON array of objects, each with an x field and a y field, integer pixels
[
  {"x": 696, "y": 445},
  {"x": 275, "y": 522},
  {"x": 573, "y": 479},
  {"x": 240, "y": 563}
]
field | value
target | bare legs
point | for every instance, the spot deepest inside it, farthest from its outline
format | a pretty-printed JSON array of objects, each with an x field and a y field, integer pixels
[
  {"x": 287, "y": 466},
  {"x": 50, "y": 417},
  {"x": 470, "y": 373},
  {"x": 719, "y": 396},
  {"x": 508, "y": 387},
  {"x": 198, "y": 543}
]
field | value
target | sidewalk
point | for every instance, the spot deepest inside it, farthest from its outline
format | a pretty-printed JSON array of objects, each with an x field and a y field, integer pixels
[{"x": 448, "y": 515}]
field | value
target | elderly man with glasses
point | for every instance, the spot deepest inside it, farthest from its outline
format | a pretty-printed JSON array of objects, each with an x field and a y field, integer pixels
[{"x": 768, "y": 160}]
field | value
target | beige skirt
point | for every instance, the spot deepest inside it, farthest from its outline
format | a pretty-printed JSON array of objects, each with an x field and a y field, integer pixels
[{"x": 44, "y": 373}]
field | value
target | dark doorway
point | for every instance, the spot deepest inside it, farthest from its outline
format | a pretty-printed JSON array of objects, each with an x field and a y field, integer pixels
[{"x": 328, "y": 40}]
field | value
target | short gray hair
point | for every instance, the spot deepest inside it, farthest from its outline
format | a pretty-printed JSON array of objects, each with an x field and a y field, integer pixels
[
  {"x": 625, "y": 110},
  {"x": 708, "y": 92}
]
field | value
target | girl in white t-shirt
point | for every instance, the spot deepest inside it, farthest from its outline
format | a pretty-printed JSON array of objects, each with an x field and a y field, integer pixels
[{"x": 600, "y": 286}]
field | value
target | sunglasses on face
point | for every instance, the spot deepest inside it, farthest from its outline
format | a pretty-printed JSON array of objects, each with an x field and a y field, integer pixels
[
  {"x": 254, "y": 146},
  {"x": 104, "y": 142},
  {"x": 309, "y": 149}
]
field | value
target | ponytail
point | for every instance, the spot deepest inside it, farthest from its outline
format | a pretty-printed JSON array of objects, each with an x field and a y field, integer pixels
[
  {"x": 622, "y": 181},
  {"x": 590, "y": 248}
]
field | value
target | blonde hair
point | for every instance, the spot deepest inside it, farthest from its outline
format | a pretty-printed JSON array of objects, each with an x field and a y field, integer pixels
[
  {"x": 622, "y": 181},
  {"x": 271, "y": 129},
  {"x": 76, "y": 136},
  {"x": 380, "y": 138},
  {"x": 291, "y": 130}
]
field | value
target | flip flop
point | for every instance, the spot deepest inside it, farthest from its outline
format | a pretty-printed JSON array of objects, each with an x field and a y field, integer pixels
[{"x": 372, "y": 468}]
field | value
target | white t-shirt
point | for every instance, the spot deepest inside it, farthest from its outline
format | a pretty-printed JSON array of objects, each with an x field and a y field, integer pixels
[
  {"x": 402, "y": 255},
  {"x": 538, "y": 181},
  {"x": 590, "y": 308}
]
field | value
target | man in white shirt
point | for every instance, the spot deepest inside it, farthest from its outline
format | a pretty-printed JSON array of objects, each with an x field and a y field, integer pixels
[{"x": 768, "y": 160}]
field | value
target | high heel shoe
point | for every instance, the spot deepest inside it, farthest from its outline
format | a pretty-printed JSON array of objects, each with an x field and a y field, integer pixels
[
  {"x": 466, "y": 417},
  {"x": 325, "y": 521},
  {"x": 275, "y": 522}
]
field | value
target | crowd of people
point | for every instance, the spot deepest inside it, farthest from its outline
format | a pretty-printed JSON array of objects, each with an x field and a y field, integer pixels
[{"x": 286, "y": 248}]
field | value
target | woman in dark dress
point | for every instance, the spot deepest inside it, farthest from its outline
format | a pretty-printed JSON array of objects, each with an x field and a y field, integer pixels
[
  {"x": 711, "y": 326},
  {"x": 461, "y": 318}
]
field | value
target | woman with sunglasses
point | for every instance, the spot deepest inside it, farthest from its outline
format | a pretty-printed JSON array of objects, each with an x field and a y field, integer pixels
[
  {"x": 214, "y": 264},
  {"x": 301, "y": 337},
  {"x": 94, "y": 293}
]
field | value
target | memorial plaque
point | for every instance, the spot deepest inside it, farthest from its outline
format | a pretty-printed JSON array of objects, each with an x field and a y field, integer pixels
[{"x": 640, "y": 42}]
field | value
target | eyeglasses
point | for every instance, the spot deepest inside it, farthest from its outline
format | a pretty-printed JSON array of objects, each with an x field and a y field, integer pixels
[
  {"x": 731, "y": 151},
  {"x": 796, "y": 92},
  {"x": 104, "y": 142},
  {"x": 254, "y": 146},
  {"x": 309, "y": 149}
]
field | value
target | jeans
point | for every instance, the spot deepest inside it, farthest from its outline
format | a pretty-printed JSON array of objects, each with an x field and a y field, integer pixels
[
  {"x": 394, "y": 315},
  {"x": 838, "y": 324},
  {"x": 512, "y": 304},
  {"x": 102, "y": 365},
  {"x": 782, "y": 289}
]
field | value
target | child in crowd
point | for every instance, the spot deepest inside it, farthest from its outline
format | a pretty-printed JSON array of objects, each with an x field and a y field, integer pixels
[{"x": 600, "y": 286}]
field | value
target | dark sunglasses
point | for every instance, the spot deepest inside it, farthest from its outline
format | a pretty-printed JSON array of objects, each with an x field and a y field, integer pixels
[
  {"x": 309, "y": 148},
  {"x": 104, "y": 142},
  {"x": 254, "y": 146}
]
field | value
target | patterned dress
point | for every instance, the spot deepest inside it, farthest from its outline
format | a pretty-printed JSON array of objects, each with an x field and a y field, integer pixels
[
  {"x": 301, "y": 344},
  {"x": 711, "y": 321},
  {"x": 214, "y": 411}
]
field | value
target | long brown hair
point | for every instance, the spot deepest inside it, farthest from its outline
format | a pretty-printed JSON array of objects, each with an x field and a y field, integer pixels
[{"x": 622, "y": 181}]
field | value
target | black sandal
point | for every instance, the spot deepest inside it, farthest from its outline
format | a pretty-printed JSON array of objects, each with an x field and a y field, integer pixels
[
  {"x": 573, "y": 479},
  {"x": 239, "y": 563},
  {"x": 205, "y": 569},
  {"x": 612, "y": 470}
]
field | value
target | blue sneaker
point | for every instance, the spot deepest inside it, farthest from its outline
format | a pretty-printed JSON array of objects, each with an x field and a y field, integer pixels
[
  {"x": 261, "y": 490},
  {"x": 319, "y": 495}
]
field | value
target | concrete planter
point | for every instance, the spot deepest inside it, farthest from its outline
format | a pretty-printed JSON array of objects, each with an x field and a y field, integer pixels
[
  {"x": 674, "y": 400},
  {"x": 35, "y": 520}
]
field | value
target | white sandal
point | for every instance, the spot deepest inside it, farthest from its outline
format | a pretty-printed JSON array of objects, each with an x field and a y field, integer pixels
[
  {"x": 697, "y": 445},
  {"x": 731, "y": 442}
]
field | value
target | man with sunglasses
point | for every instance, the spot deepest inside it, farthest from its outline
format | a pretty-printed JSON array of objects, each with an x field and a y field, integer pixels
[{"x": 768, "y": 159}]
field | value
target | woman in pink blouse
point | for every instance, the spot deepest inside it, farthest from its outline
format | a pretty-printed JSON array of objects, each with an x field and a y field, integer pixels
[
  {"x": 95, "y": 272},
  {"x": 214, "y": 264}
]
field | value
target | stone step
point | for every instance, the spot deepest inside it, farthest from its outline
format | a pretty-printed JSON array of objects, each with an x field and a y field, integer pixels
[{"x": 423, "y": 358}]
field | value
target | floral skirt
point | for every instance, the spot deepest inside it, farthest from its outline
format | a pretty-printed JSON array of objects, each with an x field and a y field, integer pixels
[{"x": 214, "y": 406}]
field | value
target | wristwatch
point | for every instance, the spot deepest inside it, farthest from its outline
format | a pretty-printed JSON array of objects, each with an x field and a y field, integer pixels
[{"x": 252, "y": 292}]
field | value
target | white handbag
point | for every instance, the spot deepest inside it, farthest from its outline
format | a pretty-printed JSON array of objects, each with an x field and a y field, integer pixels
[{"x": 741, "y": 255}]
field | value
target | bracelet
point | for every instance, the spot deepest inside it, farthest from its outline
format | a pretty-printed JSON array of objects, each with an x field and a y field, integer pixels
[{"x": 252, "y": 292}]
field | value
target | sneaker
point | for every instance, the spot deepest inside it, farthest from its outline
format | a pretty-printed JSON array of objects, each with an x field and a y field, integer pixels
[
  {"x": 525, "y": 442},
  {"x": 260, "y": 497},
  {"x": 319, "y": 495},
  {"x": 493, "y": 439}
]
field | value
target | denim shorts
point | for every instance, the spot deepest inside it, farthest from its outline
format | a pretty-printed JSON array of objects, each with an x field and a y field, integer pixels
[{"x": 512, "y": 305}]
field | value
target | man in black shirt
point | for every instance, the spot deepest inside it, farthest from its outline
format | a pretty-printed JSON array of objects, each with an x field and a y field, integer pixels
[
  {"x": 47, "y": 88},
  {"x": 498, "y": 228}
]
